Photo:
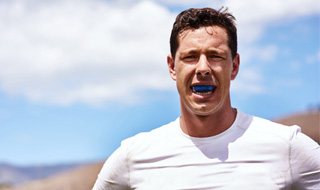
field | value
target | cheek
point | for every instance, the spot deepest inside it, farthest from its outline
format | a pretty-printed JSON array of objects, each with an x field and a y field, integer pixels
[
  {"x": 219, "y": 72},
  {"x": 222, "y": 75},
  {"x": 184, "y": 72},
  {"x": 225, "y": 69}
]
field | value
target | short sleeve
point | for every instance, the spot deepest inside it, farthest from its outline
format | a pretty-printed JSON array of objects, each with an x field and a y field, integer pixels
[
  {"x": 305, "y": 162},
  {"x": 114, "y": 174}
]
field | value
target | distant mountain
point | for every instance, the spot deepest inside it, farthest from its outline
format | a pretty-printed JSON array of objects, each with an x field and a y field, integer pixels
[
  {"x": 309, "y": 122},
  {"x": 79, "y": 178},
  {"x": 13, "y": 175}
]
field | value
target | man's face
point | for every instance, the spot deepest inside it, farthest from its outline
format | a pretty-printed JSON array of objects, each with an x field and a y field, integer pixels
[{"x": 203, "y": 68}]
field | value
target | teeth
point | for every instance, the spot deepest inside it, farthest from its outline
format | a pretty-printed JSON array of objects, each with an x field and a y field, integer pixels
[{"x": 202, "y": 89}]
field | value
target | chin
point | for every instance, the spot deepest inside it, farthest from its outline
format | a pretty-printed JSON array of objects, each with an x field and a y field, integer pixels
[
  {"x": 203, "y": 110},
  {"x": 203, "y": 113}
]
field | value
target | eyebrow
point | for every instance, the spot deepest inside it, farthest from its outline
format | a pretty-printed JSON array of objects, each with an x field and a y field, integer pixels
[
  {"x": 190, "y": 51},
  {"x": 210, "y": 51}
]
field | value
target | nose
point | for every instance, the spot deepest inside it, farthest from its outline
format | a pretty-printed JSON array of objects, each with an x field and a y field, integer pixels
[{"x": 203, "y": 68}]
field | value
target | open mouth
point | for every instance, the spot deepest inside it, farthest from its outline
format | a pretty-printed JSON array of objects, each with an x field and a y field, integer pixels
[{"x": 203, "y": 89}]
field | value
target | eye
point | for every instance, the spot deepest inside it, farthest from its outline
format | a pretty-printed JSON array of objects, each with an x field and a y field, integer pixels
[
  {"x": 215, "y": 57},
  {"x": 190, "y": 58}
]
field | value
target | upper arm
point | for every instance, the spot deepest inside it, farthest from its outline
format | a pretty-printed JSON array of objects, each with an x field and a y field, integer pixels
[
  {"x": 305, "y": 162},
  {"x": 114, "y": 174}
]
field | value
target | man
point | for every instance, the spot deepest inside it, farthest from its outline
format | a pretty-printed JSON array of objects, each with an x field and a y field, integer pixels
[{"x": 211, "y": 145}]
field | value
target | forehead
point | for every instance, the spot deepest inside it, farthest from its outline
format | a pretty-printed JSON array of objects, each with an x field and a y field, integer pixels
[{"x": 210, "y": 36}]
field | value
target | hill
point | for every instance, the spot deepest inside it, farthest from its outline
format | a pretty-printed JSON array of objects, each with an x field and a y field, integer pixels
[
  {"x": 80, "y": 178},
  {"x": 13, "y": 175}
]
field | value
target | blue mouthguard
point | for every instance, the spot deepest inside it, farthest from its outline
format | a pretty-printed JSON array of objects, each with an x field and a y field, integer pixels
[{"x": 203, "y": 88}]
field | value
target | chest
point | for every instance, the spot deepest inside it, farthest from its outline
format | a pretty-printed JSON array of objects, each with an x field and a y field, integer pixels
[{"x": 210, "y": 167}]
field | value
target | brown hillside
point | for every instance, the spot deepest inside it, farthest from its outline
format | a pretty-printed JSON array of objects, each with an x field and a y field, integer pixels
[
  {"x": 81, "y": 178},
  {"x": 308, "y": 121}
]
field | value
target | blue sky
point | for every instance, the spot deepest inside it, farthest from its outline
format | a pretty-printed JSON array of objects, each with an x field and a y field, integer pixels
[{"x": 77, "y": 77}]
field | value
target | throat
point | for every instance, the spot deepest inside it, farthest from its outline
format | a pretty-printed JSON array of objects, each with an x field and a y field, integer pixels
[{"x": 206, "y": 126}]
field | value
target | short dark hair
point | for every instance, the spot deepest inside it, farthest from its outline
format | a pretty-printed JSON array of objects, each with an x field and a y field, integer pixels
[{"x": 196, "y": 18}]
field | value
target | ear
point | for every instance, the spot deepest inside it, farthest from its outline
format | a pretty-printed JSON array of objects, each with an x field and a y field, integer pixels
[
  {"x": 171, "y": 67},
  {"x": 235, "y": 66}
]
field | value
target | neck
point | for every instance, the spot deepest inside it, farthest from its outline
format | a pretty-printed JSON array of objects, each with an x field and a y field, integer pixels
[{"x": 209, "y": 125}]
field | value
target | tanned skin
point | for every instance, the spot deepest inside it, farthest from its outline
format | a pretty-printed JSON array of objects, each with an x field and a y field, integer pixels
[{"x": 204, "y": 58}]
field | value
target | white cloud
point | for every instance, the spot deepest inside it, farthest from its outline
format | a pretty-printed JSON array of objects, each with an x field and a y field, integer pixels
[
  {"x": 85, "y": 51},
  {"x": 97, "y": 51},
  {"x": 184, "y": 4},
  {"x": 265, "y": 11},
  {"x": 253, "y": 16},
  {"x": 174, "y": 4}
]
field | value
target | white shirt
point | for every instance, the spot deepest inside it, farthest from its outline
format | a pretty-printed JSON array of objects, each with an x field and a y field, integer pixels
[{"x": 252, "y": 154}]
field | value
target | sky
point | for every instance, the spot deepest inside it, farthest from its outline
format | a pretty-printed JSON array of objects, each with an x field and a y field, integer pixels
[{"x": 79, "y": 76}]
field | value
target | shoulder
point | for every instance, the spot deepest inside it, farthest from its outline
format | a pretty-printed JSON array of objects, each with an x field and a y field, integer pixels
[
  {"x": 269, "y": 129},
  {"x": 302, "y": 152},
  {"x": 145, "y": 140},
  {"x": 264, "y": 130}
]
